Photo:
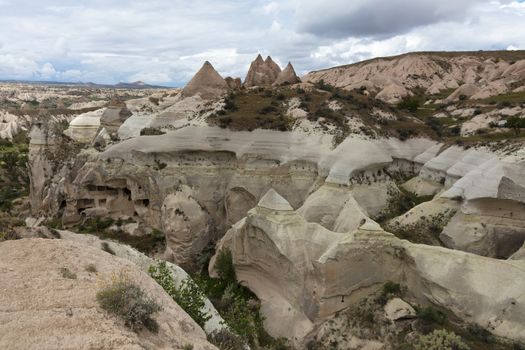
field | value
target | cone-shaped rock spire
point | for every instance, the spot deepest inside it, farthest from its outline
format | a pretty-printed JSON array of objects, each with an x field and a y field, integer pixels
[
  {"x": 287, "y": 76},
  {"x": 262, "y": 72},
  {"x": 207, "y": 83}
]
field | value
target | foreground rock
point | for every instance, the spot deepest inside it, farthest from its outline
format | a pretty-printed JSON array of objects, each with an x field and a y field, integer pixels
[{"x": 58, "y": 310}]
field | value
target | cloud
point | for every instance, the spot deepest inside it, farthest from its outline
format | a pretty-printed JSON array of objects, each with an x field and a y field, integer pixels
[
  {"x": 343, "y": 18},
  {"x": 166, "y": 41}
]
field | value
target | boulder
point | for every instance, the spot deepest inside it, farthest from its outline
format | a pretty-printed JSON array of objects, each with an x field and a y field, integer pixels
[
  {"x": 287, "y": 76},
  {"x": 397, "y": 309},
  {"x": 207, "y": 83}
]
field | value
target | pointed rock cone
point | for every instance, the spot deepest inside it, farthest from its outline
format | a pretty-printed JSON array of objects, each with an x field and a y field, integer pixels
[
  {"x": 287, "y": 76},
  {"x": 207, "y": 83},
  {"x": 274, "y": 67},
  {"x": 274, "y": 201},
  {"x": 261, "y": 73}
]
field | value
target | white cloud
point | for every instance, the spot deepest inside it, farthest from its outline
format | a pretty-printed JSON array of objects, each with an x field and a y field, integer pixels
[{"x": 166, "y": 41}]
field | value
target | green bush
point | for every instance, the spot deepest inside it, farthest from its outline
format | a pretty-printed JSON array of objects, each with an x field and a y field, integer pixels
[
  {"x": 431, "y": 316},
  {"x": 480, "y": 333},
  {"x": 130, "y": 303},
  {"x": 188, "y": 295},
  {"x": 440, "y": 340},
  {"x": 389, "y": 290},
  {"x": 226, "y": 340},
  {"x": 410, "y": 103}
]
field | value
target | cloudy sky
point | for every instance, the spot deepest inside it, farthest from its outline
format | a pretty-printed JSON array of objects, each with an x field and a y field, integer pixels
[{"x": 165, "y": 41}]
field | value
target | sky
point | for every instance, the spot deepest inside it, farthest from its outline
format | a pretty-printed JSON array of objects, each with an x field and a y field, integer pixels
[{"x": 165, "y": 42}]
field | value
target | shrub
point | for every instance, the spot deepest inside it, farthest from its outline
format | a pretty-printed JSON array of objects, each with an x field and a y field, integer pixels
[
  {"x": 430, "y": 316},
  {"x": 480, "y": 333},
  {"x": 268, "y": 110},
  {"x": 389, "y": 290},
  {"x": 410, "y": 103},
  {"x": 130, "y": 303},
  {"x": 440, "y": 340},
  {"x": 515, "y": 123},
  {"x": 151, "y": 131},
  {"x": 67, "y": 273},
  {"x": 226, "y": 340},
  {"x": 188, "y": 295}
]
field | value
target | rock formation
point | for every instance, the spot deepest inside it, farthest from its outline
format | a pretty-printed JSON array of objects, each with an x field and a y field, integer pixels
[
  {"x": 113, "y": 118},
  {"x": 207, "y": 83},
  {"x": 484, "y": 74},
  {"x": 304, "y": 273},
  {"x": 262, "y": 72},
  {"x": 60, "y": 310},
  {"x": 287, "y": 76},
  {"x": 234, "y": 83},
  {"x": 84, "y": 127}
]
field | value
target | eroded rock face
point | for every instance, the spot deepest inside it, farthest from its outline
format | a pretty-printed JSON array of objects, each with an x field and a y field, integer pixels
[
  {"x": 187, "y": 226},
  {"x": 113, "y": 118},
  {"x": 304, "y": 273},
  {"x": 61, "y": 312}
]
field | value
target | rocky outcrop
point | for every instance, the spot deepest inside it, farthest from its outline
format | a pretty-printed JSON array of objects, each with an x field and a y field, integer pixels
[
  {"x": 187, "y": 226},
  {"x": 113, "y": 118},
  {"x": 304, "y": 273},
  {"x": 392, "y": 93},
  {"x": 60, "y": 310},
  {"x": 262, "y": 72},
  {"x": 287, "y": 76},
  {"x": 233, "y": 83},
  {"x": 492, "y": 74},
  {"x": 84, "y": 127},
  {"x": 206, "y": 83}
]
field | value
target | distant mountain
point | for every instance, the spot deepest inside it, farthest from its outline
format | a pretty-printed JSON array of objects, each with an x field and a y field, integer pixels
[{"x": 121, "y": 85}]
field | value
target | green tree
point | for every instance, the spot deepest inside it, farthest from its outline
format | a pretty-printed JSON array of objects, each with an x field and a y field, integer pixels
[{"x": 188, "y": 295}]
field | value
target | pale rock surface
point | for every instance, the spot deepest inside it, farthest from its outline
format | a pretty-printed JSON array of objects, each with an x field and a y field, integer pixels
[
  {"x": 398, "y": 309},
  {"x": 186, "y": 224},
  {"x": 113, "y": 118},
  {"x": 58, "y": 312},
  {"x": 304, "y": 273},
  {"x": 392, "y": 93},
  {"x": 467, "y": 90},
  {"x": 84, "y": 127}
]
